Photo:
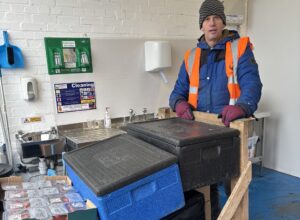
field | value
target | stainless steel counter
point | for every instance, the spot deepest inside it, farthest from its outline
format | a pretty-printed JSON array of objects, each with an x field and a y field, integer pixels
[
  {"x": 86, "y": 133},
  {"x": 79, "y": 137}
]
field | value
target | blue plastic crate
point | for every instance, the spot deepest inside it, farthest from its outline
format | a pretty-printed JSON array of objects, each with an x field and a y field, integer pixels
[{"x": 151, "y": 197}]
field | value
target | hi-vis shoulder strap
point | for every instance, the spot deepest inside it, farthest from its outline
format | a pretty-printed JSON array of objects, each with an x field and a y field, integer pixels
[
  {"x": 234, "y": 50},
  {"x": 192, "y": 64}
]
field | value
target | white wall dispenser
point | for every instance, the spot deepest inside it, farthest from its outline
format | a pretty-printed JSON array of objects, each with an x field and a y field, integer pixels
[
  {"x": 158, "y": 57},
  {"x": 235, "y": 11},
  {"x": 29, "y": 88}
]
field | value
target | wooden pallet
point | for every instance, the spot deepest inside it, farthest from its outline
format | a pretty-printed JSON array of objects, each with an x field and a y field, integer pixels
[{"x": 236, "y": 206}]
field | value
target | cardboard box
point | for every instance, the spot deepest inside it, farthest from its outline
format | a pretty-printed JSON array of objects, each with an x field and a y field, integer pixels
[{"x": 90, "y": 213}]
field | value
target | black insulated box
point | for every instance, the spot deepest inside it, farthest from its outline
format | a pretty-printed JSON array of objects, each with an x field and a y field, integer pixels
[{"x": 207, "y": 154}]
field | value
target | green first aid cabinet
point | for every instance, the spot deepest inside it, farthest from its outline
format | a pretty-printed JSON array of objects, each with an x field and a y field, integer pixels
[{"x": 68, "y": 55}]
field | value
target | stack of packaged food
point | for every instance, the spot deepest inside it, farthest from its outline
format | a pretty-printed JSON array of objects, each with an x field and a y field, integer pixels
[{"x": 43, "y": 199}]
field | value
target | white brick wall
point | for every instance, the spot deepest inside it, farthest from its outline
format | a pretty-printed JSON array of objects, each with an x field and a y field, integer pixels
[{"x": 29, "y": 21}]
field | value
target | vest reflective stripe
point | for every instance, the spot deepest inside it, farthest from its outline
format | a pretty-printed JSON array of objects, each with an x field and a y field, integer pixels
[
  {"x": 231, "y": 60},
  {"x": 193, "y": 90},
  {"x": 192, "y": 64},
  {"x": 186, "y": 60},
  {"x": 234, "y": 50},
  {"x": 189, "y": 58}
]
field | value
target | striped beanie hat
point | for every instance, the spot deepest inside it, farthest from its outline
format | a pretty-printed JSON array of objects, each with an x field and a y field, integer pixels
[{"x": 211, "y": 7}]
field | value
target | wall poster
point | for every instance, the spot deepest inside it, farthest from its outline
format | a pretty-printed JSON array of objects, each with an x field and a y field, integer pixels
[{"x": 77, "y": 96}]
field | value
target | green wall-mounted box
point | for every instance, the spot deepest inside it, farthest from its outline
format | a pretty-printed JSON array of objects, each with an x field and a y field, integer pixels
[{"x": 68, "y": 55}]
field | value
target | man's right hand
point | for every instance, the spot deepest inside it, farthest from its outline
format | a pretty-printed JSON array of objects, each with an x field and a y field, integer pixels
[{"x": 184, "y": 110}]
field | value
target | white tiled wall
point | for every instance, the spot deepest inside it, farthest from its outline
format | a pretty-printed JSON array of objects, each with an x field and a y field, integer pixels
[{"x": 29, "y": 21}]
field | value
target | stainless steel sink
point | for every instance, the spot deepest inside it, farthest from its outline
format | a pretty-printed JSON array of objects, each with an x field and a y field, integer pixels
[
  {"x": 36, "y": 144},
  {"x": 37, "y": 137}
]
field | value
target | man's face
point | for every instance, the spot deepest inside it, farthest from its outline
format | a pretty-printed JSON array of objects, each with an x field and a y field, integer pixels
[{"x": 212, "y": 28}]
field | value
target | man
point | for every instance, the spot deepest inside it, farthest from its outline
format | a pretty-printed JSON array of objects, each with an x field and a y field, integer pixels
[
  {"x": 219, "y": 76},
  {"x": 217, "y": 89}
]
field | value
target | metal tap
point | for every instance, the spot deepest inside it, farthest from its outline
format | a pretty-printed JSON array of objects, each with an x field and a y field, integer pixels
[
  {"x": 53, "y": 130},
  {"x": 131, "y": 115},
  {"x": 145, "y": 114}
]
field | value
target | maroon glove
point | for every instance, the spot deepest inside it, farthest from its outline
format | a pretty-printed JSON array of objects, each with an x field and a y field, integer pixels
[
  {"x": 231, "y": 113},
  {"x": 183, "y": 110}
]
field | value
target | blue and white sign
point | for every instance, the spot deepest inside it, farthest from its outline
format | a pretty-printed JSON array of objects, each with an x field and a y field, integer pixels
[{"x": 72, "y": 97}]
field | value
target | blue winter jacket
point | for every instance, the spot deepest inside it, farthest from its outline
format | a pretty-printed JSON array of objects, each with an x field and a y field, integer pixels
[{"x": 213, "y": 93}]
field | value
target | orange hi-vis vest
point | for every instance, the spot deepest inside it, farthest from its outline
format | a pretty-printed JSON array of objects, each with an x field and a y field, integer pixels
[{"x": 234, "y": 50}]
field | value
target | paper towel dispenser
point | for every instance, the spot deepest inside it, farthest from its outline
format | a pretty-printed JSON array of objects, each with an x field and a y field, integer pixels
[
  {"x": 29, "y": 88},
  {"x": 158, "y": 57}
]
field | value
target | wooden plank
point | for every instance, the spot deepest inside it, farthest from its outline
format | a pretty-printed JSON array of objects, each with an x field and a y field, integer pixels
[
  {"x": 207, "y": 205},
  {"x": 208, "y": 118},
  {"x": 237, "y": 195},
  {"x": 242, "y": 126},
  {"x": 243, "y": 209}
]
